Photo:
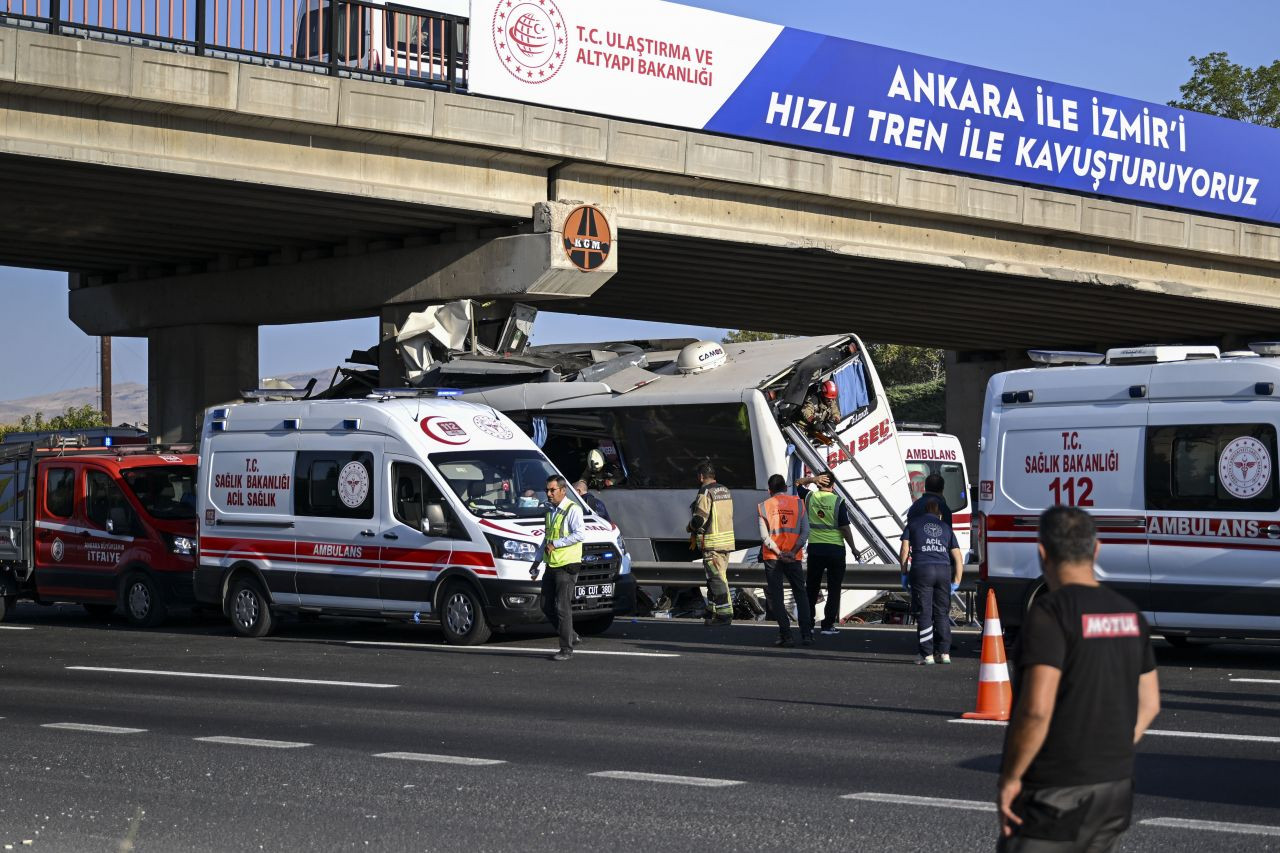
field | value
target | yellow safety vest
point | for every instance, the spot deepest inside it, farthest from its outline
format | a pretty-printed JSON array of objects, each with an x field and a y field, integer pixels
[
  {"x": 717, "y": 533},
  {"x": 569, "y": 554},
  {"x": 824, "y": 515}
]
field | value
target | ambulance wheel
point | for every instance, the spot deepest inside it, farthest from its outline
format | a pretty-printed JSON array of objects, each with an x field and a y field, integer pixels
[
  {"x": 462, "y": 616},
  {"x": 249, "y": 609},
  {"x": 100, "y": 611},
  {"x": 143, "y": 606},
  {"x": 594, "y": 625}
]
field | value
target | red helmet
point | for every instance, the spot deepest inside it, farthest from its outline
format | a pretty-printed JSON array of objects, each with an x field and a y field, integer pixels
[{"x": 829, "y": 390}]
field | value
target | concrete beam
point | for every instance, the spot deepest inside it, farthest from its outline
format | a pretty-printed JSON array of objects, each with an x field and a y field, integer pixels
[
  {"x": 190, "y": 368},
  {"x": 530, "y": 267}
]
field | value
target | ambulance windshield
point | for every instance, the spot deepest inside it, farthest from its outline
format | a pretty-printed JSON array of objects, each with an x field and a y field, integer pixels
[{"x": 497, "y": 483}]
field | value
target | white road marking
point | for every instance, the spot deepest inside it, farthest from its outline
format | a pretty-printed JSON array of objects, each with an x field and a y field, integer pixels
[
  {"x": 249, "y": 741},
  {"x": 440, "y": 759},
  {"x": 1158, "y": 732},
  {"x": 88, "y": 727},
  {"x": 905, "y": 800},
  {"x": 695, "y": 781},
  {"x": 496, "y": 649},
  {"x": 15, "y": 627},
  {"x": 1212, "y": 826},
  {"x": 1257, "y": 680},
  {"x": 226, "y": 677}
]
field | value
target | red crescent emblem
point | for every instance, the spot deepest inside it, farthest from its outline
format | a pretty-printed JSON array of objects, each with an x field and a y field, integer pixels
[{"x": 438, "y": 435}]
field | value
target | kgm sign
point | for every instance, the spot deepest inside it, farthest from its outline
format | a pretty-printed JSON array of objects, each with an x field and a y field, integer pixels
[{"x": 587, "y": 238}]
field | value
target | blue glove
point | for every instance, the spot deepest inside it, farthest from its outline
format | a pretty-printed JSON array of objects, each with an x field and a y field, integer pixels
[
  {"x": 906, "y": 583},
  {"x": 954, "y": 587}
]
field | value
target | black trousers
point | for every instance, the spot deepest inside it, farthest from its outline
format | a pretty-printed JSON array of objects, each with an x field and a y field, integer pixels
[
  {"x": 932, "y": 585},
  {"x": 833, "y": 566},
  {"x": 557, "y": 601},
  {"x": 1073, "y": 819},
  {"x": 774, "y": 573}
]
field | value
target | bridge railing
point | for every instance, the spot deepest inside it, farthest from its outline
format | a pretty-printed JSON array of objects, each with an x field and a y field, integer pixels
[{"x": 353, "y": 38}]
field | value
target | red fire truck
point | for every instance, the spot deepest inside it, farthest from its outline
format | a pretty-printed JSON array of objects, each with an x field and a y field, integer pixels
[{"x": 105, "y": 527}]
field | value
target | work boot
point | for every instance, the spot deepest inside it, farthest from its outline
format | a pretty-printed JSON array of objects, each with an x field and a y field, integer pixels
[
  {"x": 785, "y": 642},
  {"x": 563, "y": 654},
  {"x": 806, "y": 640},
  {"x": 724, "y": 619}
]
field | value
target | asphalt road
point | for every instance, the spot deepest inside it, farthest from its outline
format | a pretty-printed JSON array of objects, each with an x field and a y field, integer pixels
[{"x": 420, "y": 746}]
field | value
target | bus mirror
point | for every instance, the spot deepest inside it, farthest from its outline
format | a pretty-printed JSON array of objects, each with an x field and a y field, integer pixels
[{"x": 434, "y": 522}]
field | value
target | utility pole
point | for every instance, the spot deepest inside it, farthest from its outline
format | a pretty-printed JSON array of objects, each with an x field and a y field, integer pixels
[{"x": 104, "y": 354}]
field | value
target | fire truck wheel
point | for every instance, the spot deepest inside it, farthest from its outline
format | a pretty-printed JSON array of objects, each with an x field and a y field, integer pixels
[
  {"x": 143, "y": 606},
  {"x": 595, "y": 625},
  {"x": 100, "y": 611},
  {"x": 249, "y": 609},
  {"x": 462, "y": 616}
]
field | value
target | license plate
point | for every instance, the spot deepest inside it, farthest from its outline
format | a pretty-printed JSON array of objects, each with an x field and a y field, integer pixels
[{"x": 594, "y": 590}]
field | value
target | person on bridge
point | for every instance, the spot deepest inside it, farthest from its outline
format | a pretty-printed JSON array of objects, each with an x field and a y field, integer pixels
[
  {"x": 562, "y": 551},
  {"x": 1087, "y": 691},
  {"x": 784, "y": 530},
  {"x": 934, "y": 485},
  {"x": 830, "y": 527},
  {"x": 597, "y": 505},
  {"x": 712, "y": 529},
  {"x": 930, "y": 547}
]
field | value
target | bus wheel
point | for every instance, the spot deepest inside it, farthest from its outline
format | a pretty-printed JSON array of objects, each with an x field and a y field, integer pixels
[
  {"x": 142, "y": 605},
  {"x": 249, "y": 609},
  {"x": 462, "y": 616},
  {"x": 594, "y": 625}
]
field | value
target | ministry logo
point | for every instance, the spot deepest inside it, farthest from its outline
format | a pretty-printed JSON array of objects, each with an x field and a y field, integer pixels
[{"x": 531, "y": 39}]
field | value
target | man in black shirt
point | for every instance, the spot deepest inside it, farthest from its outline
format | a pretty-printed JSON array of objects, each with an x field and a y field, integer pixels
[
  {"x": 934, "y": 486},
  {"x": 1087, "y": 692}
]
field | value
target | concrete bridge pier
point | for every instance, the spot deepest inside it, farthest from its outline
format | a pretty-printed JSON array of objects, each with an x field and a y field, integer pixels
[{"x": 192, "y": 367}]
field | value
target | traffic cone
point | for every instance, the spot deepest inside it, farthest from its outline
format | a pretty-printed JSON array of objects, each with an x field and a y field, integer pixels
[{"x": 995, "y": 697}]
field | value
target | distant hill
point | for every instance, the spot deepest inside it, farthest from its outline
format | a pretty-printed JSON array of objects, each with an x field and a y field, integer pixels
[{"x": 128, "y": 400}]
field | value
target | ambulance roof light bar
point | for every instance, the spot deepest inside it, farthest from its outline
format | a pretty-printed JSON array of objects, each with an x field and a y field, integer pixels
[
  {"x": 397, "y": 393},
  {"x": 1160, "y": 354},
  {"x": 1269, "y": 348},
  {"x": 1058, "y": 358}
]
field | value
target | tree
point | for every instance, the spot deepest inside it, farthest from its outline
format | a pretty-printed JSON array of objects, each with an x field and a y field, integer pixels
[
  {"x": 903, "y": 365},
  {"x": 82, "y": 417},
  {"x": 1224, "y": 88},
  {"x": 743, "y": 336}
]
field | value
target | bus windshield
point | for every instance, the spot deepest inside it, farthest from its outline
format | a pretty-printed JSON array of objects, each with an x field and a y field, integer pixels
[{"x": 498, "y": 483}]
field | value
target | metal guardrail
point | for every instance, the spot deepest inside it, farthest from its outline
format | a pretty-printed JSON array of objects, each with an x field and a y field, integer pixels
[
  {"x": 336, "y": 37},
  {"x": 861, "y": 576}
]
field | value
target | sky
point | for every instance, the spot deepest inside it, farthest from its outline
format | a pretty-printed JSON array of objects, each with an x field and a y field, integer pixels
[{"x": 1136, "y": 48}]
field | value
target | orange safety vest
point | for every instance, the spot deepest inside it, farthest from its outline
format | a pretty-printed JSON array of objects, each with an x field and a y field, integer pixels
[{"x": 781, "y": 514}]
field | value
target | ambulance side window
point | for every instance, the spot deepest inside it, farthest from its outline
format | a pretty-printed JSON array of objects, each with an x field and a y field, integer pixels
[
  {"x": 60, "y": 492},
  {"x": 1225, "y": 467},
  {"x": 413, "y": 491},
  {"x": 334, "y": 484}
]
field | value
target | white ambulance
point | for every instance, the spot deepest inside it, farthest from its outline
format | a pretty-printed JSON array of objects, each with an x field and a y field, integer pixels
[
  {"x": 927, "y": 451},
  {"x": 401, "y": 506},
  {"x": 1173, "y": 451}
]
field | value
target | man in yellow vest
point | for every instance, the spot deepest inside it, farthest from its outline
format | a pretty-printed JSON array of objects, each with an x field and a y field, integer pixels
[
  {"x": 784, "y": 529},
  {"x": 712, "y": 527},
  {"x": 830, "y": 527},
  {"x": 562, "y": 552}
]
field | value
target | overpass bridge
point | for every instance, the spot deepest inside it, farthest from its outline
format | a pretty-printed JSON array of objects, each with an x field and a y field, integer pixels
[{"x": 195, "y": 194}]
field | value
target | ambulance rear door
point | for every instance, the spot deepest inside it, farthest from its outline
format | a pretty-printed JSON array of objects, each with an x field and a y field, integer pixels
[
  {"x": 1213, "y": 498},
  {"x": 1077, "y": 440}
]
